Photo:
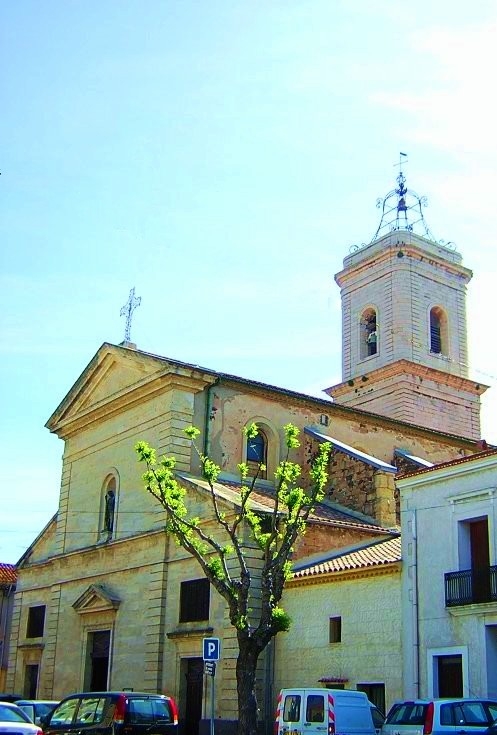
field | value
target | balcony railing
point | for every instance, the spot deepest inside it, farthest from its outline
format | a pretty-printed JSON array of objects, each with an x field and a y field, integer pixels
[{"x": 471, "y": 586}]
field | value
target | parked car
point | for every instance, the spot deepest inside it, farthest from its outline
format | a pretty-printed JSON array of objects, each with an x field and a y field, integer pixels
[
  {"x": 14, "y": 720},
  {"x": 108, "y": 713},
  {"x": 9, "y": 697},
  {"x": 440, "y": 716},
  {"x": 36, "y": 708}
]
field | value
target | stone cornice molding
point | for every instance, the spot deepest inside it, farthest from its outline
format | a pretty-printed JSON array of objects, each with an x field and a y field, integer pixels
[
  {"x": 410, "y": 369},
  {"x": 354, "y": 270}
]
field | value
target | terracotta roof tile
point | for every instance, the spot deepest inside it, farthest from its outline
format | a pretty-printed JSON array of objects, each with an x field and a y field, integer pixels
[
  {"x": 8, "y": 574},
  {"x": 323, "y": 512},
  {"x": 382, "y": 552}
]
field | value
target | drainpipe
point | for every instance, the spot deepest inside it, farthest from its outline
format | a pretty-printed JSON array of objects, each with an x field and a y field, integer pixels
[
  {"x": 416, "y": 605},
  {"x": 208, "y": 409}
]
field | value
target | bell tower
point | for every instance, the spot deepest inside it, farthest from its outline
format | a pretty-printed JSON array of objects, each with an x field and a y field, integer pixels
[{"x": 404, "y": 332}]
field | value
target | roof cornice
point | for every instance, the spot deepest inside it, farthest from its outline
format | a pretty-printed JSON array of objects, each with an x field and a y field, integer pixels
[
  {"x": 406, "y": 367},
  {"x": 346, "y": 574},
  {"x": 380, "y": 256}
]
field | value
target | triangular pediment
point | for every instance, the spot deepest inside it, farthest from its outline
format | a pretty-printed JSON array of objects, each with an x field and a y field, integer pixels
[
  {"x": 115, "y": 378},
  {"x": 96, "y": 599}
]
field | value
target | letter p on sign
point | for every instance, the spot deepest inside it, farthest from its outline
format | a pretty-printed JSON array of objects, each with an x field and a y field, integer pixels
[{"x": 212, "y": 649}]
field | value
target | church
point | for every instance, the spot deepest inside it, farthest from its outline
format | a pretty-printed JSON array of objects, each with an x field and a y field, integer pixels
[{"x": 106, "y": 600}]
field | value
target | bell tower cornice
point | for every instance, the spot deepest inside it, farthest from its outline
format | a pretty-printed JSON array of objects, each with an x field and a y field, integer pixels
[{"x": 394, "y": 250}]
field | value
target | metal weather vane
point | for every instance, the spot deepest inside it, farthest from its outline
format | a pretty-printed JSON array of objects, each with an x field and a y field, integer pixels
[
  {"x": 127, "y": 311},
  {"x": 402, "y": 208}
]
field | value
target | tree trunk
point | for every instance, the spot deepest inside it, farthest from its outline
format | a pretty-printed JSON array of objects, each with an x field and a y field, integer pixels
[{"x": 246, "y": 665}]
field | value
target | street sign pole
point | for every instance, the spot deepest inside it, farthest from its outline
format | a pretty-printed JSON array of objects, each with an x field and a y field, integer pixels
[{"x": 213, "y": 692}]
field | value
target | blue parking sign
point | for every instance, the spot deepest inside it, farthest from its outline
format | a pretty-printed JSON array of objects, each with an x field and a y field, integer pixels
[{"x": 212, "y": 649}]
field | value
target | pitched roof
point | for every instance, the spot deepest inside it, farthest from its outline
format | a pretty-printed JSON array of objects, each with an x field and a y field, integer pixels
[
  {"x": 378, "y": 553},
  {"x": 378, "y": 464},
  {"x": 8, "y": 574},
  {"x": 262, "y": 500},
  {"x": 327, "y": 405}
]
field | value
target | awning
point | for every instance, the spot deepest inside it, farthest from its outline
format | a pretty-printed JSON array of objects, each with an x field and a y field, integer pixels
[{"x": 378, "y": 464}]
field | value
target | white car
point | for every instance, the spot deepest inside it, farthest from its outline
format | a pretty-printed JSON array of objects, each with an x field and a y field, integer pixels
[{"x": 13, "y": 719}]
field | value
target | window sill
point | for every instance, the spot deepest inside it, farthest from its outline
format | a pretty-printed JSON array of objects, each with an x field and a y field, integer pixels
[
  {"x": 369, "y": 357},
  {"x": 440, "y": 356},
  {"x": 39, "y": 645},
  {"x": 189, "y": 632}
]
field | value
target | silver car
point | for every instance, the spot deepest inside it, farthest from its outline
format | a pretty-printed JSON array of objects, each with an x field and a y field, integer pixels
[
  {"x": 440, "y": 717},
  {"x": 13, "y": 719}
]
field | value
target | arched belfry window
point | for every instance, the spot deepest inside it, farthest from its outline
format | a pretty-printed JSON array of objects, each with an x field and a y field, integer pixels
[
  {"x": 108, "y": 506},
  {"x": 368, "y": 333},
  {"x": 438, "y": 331},
  {"x": 257, "y": 453}
]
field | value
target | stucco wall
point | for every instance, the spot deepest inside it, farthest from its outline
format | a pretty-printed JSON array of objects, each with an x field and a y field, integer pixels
[
  {"x": 433, "y": 505},
  {"x": 370, "y": 650}
]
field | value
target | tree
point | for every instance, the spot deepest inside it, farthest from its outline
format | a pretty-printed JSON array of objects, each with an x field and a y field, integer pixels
[{"x": 254, "y": 609}]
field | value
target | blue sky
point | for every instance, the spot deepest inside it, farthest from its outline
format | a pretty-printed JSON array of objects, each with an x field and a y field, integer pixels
[{"x": 221, "y": 156}]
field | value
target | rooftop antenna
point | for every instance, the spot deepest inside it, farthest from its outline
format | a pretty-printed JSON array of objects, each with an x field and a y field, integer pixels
[{"x": 127, "y": 310}]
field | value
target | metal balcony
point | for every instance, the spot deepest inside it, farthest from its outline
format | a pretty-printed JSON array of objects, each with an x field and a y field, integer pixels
[{"x": 471, "y": 586}]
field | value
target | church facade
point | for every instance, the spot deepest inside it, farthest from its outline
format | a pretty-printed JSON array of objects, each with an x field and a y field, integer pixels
[{"x": 106, "y": 600}]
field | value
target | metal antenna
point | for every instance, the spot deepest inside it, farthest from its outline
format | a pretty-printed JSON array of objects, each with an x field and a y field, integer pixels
[{"x": 127, "y": 311}]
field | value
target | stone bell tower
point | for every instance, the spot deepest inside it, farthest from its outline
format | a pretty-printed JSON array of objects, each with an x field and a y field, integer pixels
[{"x": 404, "y": 332}]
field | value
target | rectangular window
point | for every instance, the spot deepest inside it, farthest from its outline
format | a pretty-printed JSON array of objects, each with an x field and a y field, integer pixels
[
  {"x": 336, "y": 630},
  {"x": 194, "y": 600},
  {"x": 36, "y": 621},
  {"x": 448, "y": 672},
  {"x": 314, "y": 710},
  {"x": 449, "y": 675},
  {"x": 291, "y": 709},
  {"x": 140, "y": 712}
]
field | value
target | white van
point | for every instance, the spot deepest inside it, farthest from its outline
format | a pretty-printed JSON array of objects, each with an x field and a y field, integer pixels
[{"x": 323, "y": 712}]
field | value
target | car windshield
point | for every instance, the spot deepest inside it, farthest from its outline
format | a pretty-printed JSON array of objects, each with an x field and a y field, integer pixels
[{"x": 9, "y": 714}]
